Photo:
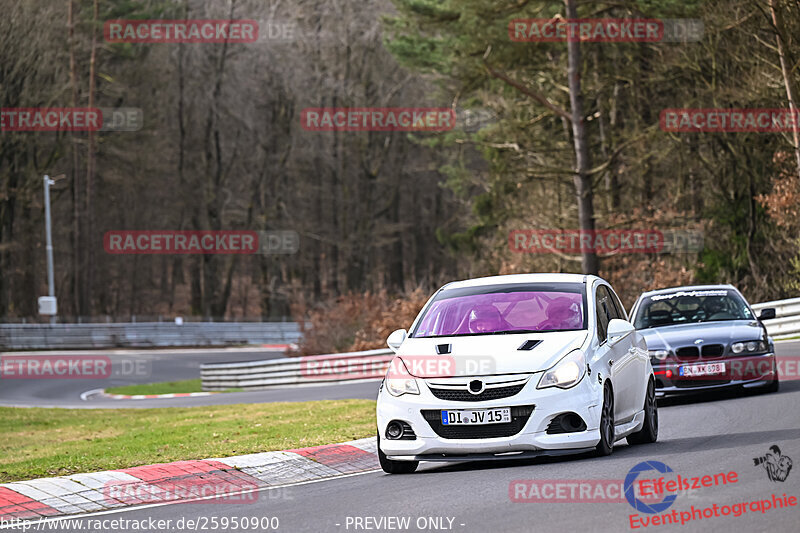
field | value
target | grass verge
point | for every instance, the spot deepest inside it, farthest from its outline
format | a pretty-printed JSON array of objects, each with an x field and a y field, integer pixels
[
  {"x": 167, "y": 387},
  {"x": 40, "y": 442}
]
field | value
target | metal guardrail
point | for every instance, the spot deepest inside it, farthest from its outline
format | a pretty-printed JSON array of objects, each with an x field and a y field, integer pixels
[
  {"x": 787, "y": 318},
  {"x": 331, "y": 368},
  {"x": 145, "y": 335},
  {"x": 372, "y": 364}
]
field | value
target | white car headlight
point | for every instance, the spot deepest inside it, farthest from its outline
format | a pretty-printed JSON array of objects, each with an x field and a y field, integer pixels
[
  {"x": 566, "y": 373},
  {"x": 400, "y": 382}
]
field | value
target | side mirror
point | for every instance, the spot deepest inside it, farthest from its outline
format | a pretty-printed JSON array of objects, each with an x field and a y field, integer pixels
[
  {"x": 767, "y": 313},
  {"x": 396, "y": 339},
  {"x": 618, "y": 329}
]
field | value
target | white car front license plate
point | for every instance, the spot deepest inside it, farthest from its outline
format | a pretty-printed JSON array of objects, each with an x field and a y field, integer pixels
[
  {"x": 702, "y": 370},
  {"x": 476, "y": 417}
]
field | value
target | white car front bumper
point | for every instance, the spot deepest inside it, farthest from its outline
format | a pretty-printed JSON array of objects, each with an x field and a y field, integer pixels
[{"x": 526, "y": 433}]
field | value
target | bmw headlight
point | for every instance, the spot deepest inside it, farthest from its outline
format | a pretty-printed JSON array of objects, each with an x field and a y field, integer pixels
[
  {"x": 659, "y": 354},
  {"x": 566, "y": 373},
  {"x": 399, "y": 380},
  {"x": 749, "y": 347}
]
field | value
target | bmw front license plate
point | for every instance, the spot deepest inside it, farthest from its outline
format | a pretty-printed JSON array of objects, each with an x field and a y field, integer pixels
[
  {"x": 476, "y": 417},
  {"x": 702, "y": 370}
]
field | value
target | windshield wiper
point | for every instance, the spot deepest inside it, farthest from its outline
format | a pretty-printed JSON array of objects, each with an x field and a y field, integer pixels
[
  {"x": 505, "y": 332},
  {"x": 512, "y": 331}
]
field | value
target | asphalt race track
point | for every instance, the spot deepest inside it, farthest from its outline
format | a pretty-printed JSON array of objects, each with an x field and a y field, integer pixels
[
  {"x": 714, "y": 434},
  {"x": 150, "y": 366}
]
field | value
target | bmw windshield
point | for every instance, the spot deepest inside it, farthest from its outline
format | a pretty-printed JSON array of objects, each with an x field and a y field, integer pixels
[
  {"x": 504, "y": 309},
  {"x": 686, "y": 307}
]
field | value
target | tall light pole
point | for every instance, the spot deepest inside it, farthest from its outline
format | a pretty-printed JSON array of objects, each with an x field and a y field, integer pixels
[{"x": 47, "y": 305}]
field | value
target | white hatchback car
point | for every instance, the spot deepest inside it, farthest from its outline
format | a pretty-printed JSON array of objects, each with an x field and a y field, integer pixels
[{"x": 515, "y": 366}]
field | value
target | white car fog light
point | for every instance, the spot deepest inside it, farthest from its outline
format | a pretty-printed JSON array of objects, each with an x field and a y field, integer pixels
[{"x": 394, "y": 430}]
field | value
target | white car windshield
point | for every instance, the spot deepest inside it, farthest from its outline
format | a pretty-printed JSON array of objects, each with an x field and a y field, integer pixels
[{"x": 501, "y": 309}]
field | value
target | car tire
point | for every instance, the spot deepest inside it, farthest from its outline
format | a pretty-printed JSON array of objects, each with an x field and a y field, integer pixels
[
  {"x": 649, "y": 431},
  {"x": 395, "y": 467},
  {"x": 606, "y": 444}
]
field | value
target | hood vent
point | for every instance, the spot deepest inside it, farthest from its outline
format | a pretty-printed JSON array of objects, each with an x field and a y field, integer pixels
[
  {"x": 444, "y": 349},
  {"x": 529, "y": 345}
]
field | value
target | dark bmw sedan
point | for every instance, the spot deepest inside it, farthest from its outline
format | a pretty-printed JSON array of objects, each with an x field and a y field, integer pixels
[{"x": 705, "y": 337}]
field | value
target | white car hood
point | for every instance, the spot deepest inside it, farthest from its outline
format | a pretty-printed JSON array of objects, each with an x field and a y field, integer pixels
[{"x": 495, "y": 354}]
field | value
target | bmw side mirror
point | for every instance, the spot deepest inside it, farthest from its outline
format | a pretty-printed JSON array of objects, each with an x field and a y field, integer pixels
[
  {"x": 396, "y": 339},
  {"x": 767, "y": 313},
  {"x": 618, "y": 329}
]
